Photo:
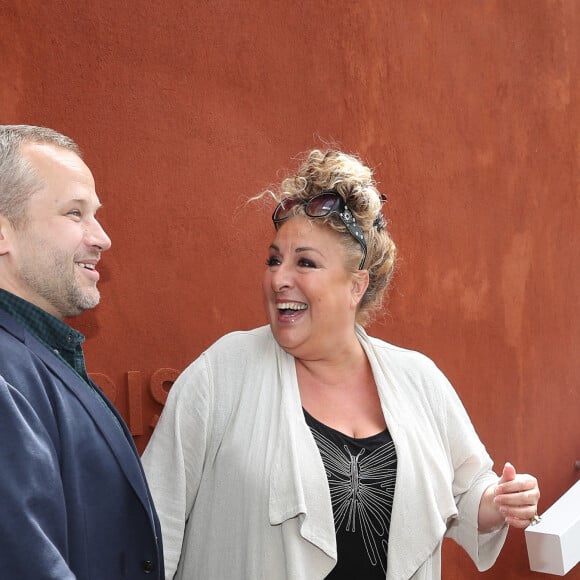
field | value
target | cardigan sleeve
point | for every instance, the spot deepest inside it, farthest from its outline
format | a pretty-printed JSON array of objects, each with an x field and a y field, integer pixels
[
  {"x": 175, "y": 455},
  {"x": 472, "y": 474}
]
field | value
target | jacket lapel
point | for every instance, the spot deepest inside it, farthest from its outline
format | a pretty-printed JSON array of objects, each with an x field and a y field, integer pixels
[{"x": 106, "y": 417}]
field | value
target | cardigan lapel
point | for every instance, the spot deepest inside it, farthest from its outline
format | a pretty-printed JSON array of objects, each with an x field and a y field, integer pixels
[
  {"x": 423, "y": 477},
  {"x": 298, "y": 482}
]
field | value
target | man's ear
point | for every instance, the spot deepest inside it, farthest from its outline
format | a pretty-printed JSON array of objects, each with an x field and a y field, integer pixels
[
  {"x": 360, "y": 283},
  {"x": 6, "y": 230}
]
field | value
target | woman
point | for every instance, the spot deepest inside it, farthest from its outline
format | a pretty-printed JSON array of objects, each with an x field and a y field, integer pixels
[{"x": 306, "y": 449}]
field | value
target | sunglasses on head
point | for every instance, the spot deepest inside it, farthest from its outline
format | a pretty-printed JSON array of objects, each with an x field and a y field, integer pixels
[{"x": 321, "y": 205}]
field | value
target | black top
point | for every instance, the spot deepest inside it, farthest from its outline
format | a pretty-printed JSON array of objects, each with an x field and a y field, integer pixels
[{"x": 361, "y": 477}]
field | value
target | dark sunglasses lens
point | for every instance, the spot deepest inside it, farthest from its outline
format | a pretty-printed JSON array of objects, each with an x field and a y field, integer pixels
[
  {"x": 322, "y": 205},
  {"x": 284, "y": 208}
]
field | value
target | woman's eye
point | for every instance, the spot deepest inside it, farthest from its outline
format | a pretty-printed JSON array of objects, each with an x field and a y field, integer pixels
[
  {"x": 75, "y": 213},
  {"x": 272, "y": 261},
  {"x": 306, "y": 263}
]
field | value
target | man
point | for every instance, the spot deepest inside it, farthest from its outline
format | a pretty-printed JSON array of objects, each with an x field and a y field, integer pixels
[{"x": 74, "y": 502}]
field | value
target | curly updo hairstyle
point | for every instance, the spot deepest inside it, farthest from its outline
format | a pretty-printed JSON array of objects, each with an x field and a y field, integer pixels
[{"x": 332, "y": 170}]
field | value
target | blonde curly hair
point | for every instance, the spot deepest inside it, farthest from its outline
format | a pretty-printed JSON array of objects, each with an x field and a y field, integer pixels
[{"x": 345, "y": 174}]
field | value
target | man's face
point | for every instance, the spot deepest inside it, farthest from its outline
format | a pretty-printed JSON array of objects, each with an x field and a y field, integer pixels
[{"x": 54, "y": 254}]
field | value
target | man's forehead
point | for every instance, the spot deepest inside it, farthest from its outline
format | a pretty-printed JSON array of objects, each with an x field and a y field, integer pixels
[
  {"x": 47, "y": 152},
  {"x": 56, "y": 163}
]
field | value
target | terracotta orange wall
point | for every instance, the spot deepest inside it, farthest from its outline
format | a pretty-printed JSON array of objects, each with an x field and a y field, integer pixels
[{"x": 467, "y": 110}]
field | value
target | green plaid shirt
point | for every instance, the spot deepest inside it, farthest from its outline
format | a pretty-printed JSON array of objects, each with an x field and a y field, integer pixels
[{"x": 59, "y": 337}]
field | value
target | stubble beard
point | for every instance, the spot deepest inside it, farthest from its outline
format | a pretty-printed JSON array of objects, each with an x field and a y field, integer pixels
[{"x": 57, "y": 284}]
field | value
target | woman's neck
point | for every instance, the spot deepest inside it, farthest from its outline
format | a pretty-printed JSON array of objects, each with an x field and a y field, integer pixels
[{"x": 335, "y": 369}]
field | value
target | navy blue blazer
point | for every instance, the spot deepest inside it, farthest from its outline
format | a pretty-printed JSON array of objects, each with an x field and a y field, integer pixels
[{"x": 74, "y": 502}]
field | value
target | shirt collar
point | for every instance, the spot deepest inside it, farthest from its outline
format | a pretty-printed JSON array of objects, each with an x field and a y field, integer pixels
[{"x": 49, "y": 329}]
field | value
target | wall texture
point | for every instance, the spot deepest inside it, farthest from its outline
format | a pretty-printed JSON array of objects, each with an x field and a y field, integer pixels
[{"x": 467, "y": 110}]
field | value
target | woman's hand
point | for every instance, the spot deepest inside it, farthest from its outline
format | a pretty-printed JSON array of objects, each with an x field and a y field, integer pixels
[{"x": 513, "y": 500}]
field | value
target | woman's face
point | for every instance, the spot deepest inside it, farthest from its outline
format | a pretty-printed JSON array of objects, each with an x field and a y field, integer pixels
[{"x": 310, "y": 297}]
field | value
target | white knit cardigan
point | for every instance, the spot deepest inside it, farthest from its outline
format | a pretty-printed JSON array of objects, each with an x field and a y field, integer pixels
[{"x": 241, "y": 490}]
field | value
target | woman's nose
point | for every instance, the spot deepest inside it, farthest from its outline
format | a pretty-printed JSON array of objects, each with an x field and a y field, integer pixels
[{"x": 281, "y": 279}]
